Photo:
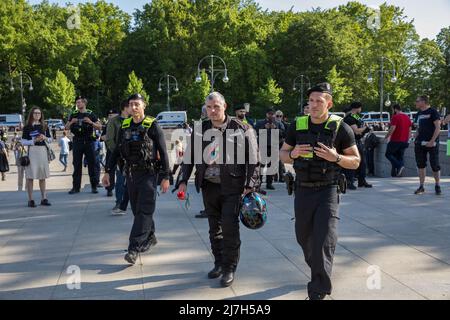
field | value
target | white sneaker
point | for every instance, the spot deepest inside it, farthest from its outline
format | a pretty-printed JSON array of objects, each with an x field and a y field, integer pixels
[{"x": 116, "y": 211}]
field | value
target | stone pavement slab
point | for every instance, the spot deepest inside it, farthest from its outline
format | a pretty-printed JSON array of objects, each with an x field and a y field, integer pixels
[{"x": 406, "y": 237}]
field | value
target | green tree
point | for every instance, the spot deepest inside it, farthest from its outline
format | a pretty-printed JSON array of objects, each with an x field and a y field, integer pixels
[
  {"x": 342, "y": 93},
  {"x": 197, "y": 93},
  {"x": 135, "y": 85},
  {"x": 270, "y": 94},
  {"x": 61, "y": 93}
]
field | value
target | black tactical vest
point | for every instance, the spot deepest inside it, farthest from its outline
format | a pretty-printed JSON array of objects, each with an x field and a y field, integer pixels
[
  {"x": 310, "y": 168},
  {"x": 136, "y": 147}
]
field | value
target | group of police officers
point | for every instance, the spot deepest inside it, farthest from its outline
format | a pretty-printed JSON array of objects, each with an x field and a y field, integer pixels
[{"x": 319, "y": 145}]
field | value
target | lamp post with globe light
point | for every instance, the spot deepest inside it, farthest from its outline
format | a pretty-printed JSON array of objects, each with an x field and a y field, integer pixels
[
  {"x": 23, "y": 79},
  {"x": 300, "y": 86},
  {"x": 212, "y": 71},
  {"x": 382, "y": 72},
  {"x": 169, "y": 85}
]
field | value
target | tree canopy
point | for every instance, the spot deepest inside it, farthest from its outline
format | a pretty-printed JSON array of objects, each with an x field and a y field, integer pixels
[{"x": 93, "y": 48}]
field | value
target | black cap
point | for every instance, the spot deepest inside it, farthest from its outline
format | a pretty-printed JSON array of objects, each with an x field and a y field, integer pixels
[
  {"x": 238, "y": 107},
  {"x": 270, "y": 110},
  {"x": 80, "y": 98},
  {"x": 136, "y": 96},
  {"x": 323, "y": 87},
  {"x": 347, "y": 109},
  {"x": 355, "y": 105},
  {"x": 112, "y": 111}
]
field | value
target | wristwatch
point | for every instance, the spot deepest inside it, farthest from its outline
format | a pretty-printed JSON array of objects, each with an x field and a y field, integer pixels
[{"x": 339, "y": 158}]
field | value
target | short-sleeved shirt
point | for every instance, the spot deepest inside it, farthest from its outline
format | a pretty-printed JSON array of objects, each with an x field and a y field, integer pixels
[
  {"x": 32, "y": 131},
  {"x": 345, "y": 138},
  {"x": 351, "y": 120},
  {"x": 64, "y": 144},
  {"x": 402, "y": 124},
  {"x": 82, "y": 130},
  {"x": 425, "y": 121}
]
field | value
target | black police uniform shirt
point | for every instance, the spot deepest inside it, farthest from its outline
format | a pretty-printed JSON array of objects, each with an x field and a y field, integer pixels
[
  {"x": 345, "y": 138},
  {"x": 87, "y": 131},
  {"x": 350, "y": 120},
  {"x": 32, "y": 131},
  {"x": 425, "y": 121}
]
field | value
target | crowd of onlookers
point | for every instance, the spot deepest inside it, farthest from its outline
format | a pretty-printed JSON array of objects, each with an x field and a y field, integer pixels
[{"x": 36, "y": 137}]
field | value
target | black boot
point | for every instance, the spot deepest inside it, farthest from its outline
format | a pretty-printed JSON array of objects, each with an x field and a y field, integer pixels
[
  {"x": 364, "y": 184},
  {"x": 227, "y": 279},
  {"x": 151, "y": 242},
  {"x": 131, "y": 257},
  {"x": 215, "y": 272},
  {"x": 73, "y": 191}
]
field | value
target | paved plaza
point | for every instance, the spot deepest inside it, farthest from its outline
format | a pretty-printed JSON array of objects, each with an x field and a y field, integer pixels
[{"x": 392, "y": 245}]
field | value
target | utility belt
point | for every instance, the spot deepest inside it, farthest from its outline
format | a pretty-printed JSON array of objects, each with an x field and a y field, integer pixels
[
  {"x": 315, "y": 184},
  {"x": 83, "y": 139},
  {"x": 340, "y": 183},
  {"x": 137, "y": 167}
]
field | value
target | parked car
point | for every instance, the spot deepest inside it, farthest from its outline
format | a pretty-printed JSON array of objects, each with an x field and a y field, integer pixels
[{"x": 55, "y": 123}]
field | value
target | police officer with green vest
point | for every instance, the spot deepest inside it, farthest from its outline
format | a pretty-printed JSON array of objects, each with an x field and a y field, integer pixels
[
  {"x": 319, "y": 145},
  {"x": 83, "y": 123},
  {"x": 140, "y": 140},
  {"x": 354, "y": 120}
]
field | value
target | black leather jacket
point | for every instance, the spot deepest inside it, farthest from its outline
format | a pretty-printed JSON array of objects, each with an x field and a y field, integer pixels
[{"x": 234, "y": 177}]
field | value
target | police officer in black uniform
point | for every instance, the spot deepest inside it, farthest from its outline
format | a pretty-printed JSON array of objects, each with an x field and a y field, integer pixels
[
  {"x": 319, "y": 145},
  {"x": 354, "y": 120},
  {"x": 140, "y": 140},
  {"x": 83, "y": 123},
  {"x": 223, "y": 179}
]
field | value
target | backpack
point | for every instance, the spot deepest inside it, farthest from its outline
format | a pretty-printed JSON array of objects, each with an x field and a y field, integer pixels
[{"x": 371, "y": 141}]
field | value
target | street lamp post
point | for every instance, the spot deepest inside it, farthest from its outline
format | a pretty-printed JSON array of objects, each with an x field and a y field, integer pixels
[
  {"x": 213, "y": 72},
  {"x": 22, "y": 82},
  {"x": 382, "y": 71},
  {"x": 169, "y": 85},
  {"x": 302, "y": 86}
]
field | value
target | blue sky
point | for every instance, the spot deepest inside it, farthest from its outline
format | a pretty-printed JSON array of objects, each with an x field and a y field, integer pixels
[{"x": 429, "y": 16}]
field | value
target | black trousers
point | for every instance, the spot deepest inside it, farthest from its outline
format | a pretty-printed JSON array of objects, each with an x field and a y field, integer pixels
[
  {"x": 85, "y": 148},
  {"x": 316, "y": 221},
  {"x": 141, "y": 187},
  {"x": 370, "y": 157},
  {"x": 361, "y": 172},
  {"x": 112, "y": 174},
  {"x": 223, "y": 218}
]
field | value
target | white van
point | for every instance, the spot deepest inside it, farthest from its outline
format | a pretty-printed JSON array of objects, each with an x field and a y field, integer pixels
[
  {"x": 340, "y": 114},
  {"x": 374, "y": 117},
  {"x": 11, "y": 121},
  {"x": 171, "y": 119}
]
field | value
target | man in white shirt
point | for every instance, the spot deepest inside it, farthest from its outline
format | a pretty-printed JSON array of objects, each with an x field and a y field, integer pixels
[{"x": 64, "y": 145}]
